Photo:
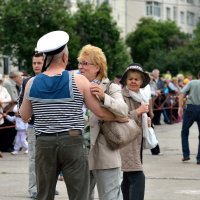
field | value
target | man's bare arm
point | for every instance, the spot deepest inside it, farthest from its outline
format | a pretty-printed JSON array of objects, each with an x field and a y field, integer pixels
[
  {"x": 180, "y": 104},
  {"x": 91, "y": 101}
]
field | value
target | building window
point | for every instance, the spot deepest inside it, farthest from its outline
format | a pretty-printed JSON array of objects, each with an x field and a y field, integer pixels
[
  {"x": 153, "y": 8},
  {"x": 175, "y": 13},
  {"x": 182, "y": 17},
  {"x": 190, "y": 18},
  {"x": 98, "y": 3},
  {"x": 168, "y": 13},
  {"x": 190, "y": 1}
]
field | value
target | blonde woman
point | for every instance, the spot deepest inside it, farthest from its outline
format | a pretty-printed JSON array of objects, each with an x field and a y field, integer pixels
[{"x": 104, "y": 163}]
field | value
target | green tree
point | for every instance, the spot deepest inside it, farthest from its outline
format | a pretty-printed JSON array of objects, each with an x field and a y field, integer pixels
[
  {"x": 185, "y": 58},
  {"x": 153, "y": 36},
  {"x": 24, "y": 22},
  {"x": 197, "y": 36},
  {"x": 96, "y": 27},
  {"x": 188, "y": 59}
]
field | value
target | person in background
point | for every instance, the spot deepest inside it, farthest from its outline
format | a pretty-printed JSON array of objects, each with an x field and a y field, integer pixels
[
  {"x": 104, "y": 162},
  {"x": 37, "y": 63},
  {"x": 11, "y": 84},
  {"x": 133, "y": 183},
  {"x": 172, "y": 85},
  {"x": 165, "y": 102},
  {"x": 190, "y": 115},
  {"x": 7, "y": 135},
  {"x": 20, "y": 126},
  {"x": 5, "y": 98},
  {"x": 56, "y": 98},
  {"x": 117, "y": 79},
  {"x": 180, "y": 85},
  {"x": 168, "y": 75},
  {"x": 160, "y": 97}
]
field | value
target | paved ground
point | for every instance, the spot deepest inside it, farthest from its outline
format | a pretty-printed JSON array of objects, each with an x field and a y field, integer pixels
[{"x": 167, "y": 178}]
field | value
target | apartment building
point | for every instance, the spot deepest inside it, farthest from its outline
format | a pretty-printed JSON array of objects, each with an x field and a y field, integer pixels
[{"x": 186, "y": 13}]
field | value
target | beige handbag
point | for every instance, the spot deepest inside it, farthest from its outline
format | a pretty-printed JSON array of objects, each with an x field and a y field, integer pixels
[{"x": 118, "y": 134}]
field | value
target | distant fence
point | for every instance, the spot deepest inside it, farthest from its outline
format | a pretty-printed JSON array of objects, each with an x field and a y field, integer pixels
[
  {"x": 7, "y": 109},
  {"x": 168, "y": 103}
]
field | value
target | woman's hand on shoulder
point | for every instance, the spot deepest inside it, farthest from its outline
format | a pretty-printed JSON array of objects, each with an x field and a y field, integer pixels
[{"x": 97, "y": 91}]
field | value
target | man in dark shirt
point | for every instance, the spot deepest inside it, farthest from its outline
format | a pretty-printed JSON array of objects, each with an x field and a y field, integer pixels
[{"x": 37, "y": 63}]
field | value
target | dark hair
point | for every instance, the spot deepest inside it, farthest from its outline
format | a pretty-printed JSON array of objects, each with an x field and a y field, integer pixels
[
  {"x": 37, "y": 54},
  {"x": 118, "y": 76}
]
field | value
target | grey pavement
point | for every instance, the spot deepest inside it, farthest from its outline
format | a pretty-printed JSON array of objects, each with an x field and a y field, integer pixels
[{"x": 167, "y": 177}]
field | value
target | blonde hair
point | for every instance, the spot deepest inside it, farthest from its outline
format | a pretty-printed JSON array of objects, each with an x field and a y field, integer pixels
[{"x": 97, "y": 57}]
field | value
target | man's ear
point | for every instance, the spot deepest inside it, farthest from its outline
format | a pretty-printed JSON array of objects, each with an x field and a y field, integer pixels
[{"x": 65, "y": 58}]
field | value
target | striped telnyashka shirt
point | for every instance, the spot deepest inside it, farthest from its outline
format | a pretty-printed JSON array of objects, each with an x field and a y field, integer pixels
[{"x": 57, "y": 103}]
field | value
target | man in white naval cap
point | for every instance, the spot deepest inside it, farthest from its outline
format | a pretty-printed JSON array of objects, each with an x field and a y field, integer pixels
[{"x": 56, "y": 97}]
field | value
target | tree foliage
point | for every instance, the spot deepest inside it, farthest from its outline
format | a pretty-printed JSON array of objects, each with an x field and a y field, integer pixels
[
  {"x": 152, "y": 39},
  {"x": 183, "y": 58},
  {"x": 23, "y": 22},
  {"x": 196, "y": 41},
  {"x": 96, "y": 27}
]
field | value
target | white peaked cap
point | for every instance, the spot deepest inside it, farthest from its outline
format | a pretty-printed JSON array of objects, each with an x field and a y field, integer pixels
[{"x": 53, "y": 42}]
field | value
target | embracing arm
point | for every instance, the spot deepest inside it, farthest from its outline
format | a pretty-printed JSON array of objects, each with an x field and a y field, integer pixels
[
  {"x": 114, "y": 102},
  {"x": 91, "y": 101}
]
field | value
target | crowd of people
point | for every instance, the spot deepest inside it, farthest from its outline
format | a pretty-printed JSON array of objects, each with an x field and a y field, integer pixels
[
  {"x": 55, "y": 108},
  {"x": 9, "y": 92},
  {"x": 165, "y": 92}
]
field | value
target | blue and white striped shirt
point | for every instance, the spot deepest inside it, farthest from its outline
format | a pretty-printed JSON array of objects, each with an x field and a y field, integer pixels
[{"x": 57, "y": 103}]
